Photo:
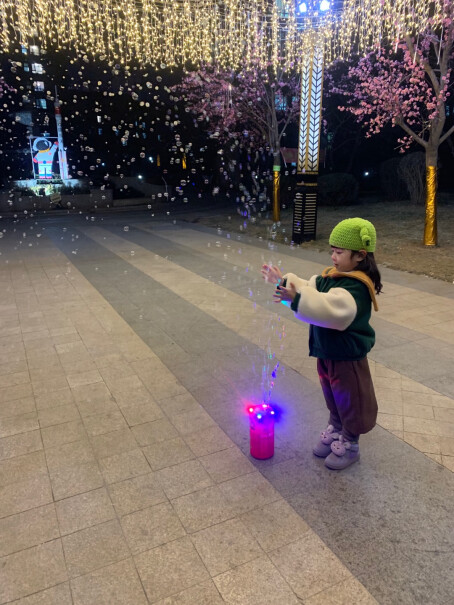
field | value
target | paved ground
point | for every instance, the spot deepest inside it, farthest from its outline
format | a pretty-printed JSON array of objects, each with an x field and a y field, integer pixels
[{"x": 129, "y": 349}]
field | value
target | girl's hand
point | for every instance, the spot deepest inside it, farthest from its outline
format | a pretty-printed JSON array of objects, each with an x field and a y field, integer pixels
[
  {"x": 272, "y": 274},
  {"x": 285, "y": 294}
]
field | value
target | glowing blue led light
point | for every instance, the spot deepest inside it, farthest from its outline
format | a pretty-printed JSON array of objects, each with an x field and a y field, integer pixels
[
  {"x": 262, "y": 412},
  {"x": 322, "y": 6}
]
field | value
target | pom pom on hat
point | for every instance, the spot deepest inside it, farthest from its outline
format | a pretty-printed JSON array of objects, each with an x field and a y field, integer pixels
[{"x": 354, "y": 234}]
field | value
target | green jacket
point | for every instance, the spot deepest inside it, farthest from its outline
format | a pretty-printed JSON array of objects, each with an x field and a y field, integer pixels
[
  {"x": 338, "y": 308},
  {"x": 357, "y": 340}
]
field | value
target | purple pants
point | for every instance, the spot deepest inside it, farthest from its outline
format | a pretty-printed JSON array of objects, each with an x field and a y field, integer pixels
[{"x": 349, "y": 395}]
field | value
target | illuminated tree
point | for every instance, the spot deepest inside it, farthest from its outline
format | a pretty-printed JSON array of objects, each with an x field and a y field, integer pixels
[
  {"x": 408, "y": 86},
  {"x": 250, "y": 103}
]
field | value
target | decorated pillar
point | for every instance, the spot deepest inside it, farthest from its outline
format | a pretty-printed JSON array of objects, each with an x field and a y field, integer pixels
[{"x": 305, "y": 202}]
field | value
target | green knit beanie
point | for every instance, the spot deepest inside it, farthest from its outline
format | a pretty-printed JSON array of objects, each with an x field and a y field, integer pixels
[{"x": 354, "y": 234}]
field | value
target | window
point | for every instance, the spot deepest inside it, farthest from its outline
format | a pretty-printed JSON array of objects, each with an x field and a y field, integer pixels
[
  {"x": 99, "y": 118},
  {"x": 24, "y": 117},
  {"x": 99, "y": 131},
  {"x": 282, "y": 8},
  {"x": 34, "y": 50},
  {"x": 37, "y": 68},
  {"x": 280, "y": 101},
  {"x": 41, "y": 103},
  {"x": 26, "y": 67},
  {"x": 23, "y": 49},
  {"x": 38, "y": 86}
]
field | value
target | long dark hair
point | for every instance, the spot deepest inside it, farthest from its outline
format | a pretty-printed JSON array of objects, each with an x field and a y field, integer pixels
[{"x": 369, "y": 267}]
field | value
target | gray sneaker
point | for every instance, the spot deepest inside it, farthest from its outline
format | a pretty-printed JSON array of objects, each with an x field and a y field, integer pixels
[
  {"x": 343, "y": 454},
  {"x": 323, "y": 447}
]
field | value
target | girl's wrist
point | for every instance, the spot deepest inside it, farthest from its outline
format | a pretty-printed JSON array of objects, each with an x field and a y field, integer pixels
[{"x": 295, "y": 302}]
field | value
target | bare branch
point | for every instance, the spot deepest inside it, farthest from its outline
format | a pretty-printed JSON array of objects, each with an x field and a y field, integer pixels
[
  {"x": 426, "y": 65},
  {"x": 447, "y": 134},
  {"x": 400, "y": 122}
]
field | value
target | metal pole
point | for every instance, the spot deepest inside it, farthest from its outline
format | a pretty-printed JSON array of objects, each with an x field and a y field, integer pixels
[{"x": 31, "y": 153}]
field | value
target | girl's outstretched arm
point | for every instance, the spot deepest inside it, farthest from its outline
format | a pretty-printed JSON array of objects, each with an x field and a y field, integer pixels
[
  {"x": 285, "y": 295},
  {"x": 272, "y": 274}
]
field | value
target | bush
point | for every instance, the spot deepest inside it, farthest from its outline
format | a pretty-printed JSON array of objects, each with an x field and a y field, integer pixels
[
  {"x": 337, "y": 189},
  {"x": 391, "y": 182},
  {"x": 128, "y": 193},
  {"x": 23, "y": 192},
  {"x": 412, "y": 170},
  {"x": 76, "y": 190}
]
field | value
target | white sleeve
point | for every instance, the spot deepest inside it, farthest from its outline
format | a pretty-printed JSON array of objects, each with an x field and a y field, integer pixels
[
  {"x": 298, "y": 282},
  {"x": 335, "y": 309}
]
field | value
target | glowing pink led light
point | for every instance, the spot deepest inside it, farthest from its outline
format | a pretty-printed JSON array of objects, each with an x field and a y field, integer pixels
[{"x": 261, "y": 419}]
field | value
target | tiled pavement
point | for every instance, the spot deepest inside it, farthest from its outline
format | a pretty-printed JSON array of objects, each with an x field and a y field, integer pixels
[{"x": 129, "y": 348}]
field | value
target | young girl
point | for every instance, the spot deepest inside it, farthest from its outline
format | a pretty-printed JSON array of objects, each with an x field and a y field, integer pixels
[{"x": 337, "y": 305}]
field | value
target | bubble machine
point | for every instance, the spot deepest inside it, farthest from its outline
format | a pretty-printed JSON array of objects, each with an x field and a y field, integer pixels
[{"x": 261, "y": 430}]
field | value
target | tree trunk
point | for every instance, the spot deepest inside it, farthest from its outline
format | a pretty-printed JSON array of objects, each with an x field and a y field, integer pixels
[
  {"x": 277, "y": 185},
  {"x": 430, "y": 225},
  {"x": 353, "y": 151}
]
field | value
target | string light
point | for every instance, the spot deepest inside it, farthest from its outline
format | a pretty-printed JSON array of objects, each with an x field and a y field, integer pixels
[{"x": 231, "y": 32}]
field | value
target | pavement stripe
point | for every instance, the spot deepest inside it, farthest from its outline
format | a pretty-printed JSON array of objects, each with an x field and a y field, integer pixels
[
  {"x": 267, "y": 330},
  {"x": 393, "y": 480},
  {"x": 341, "y": 583}
]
